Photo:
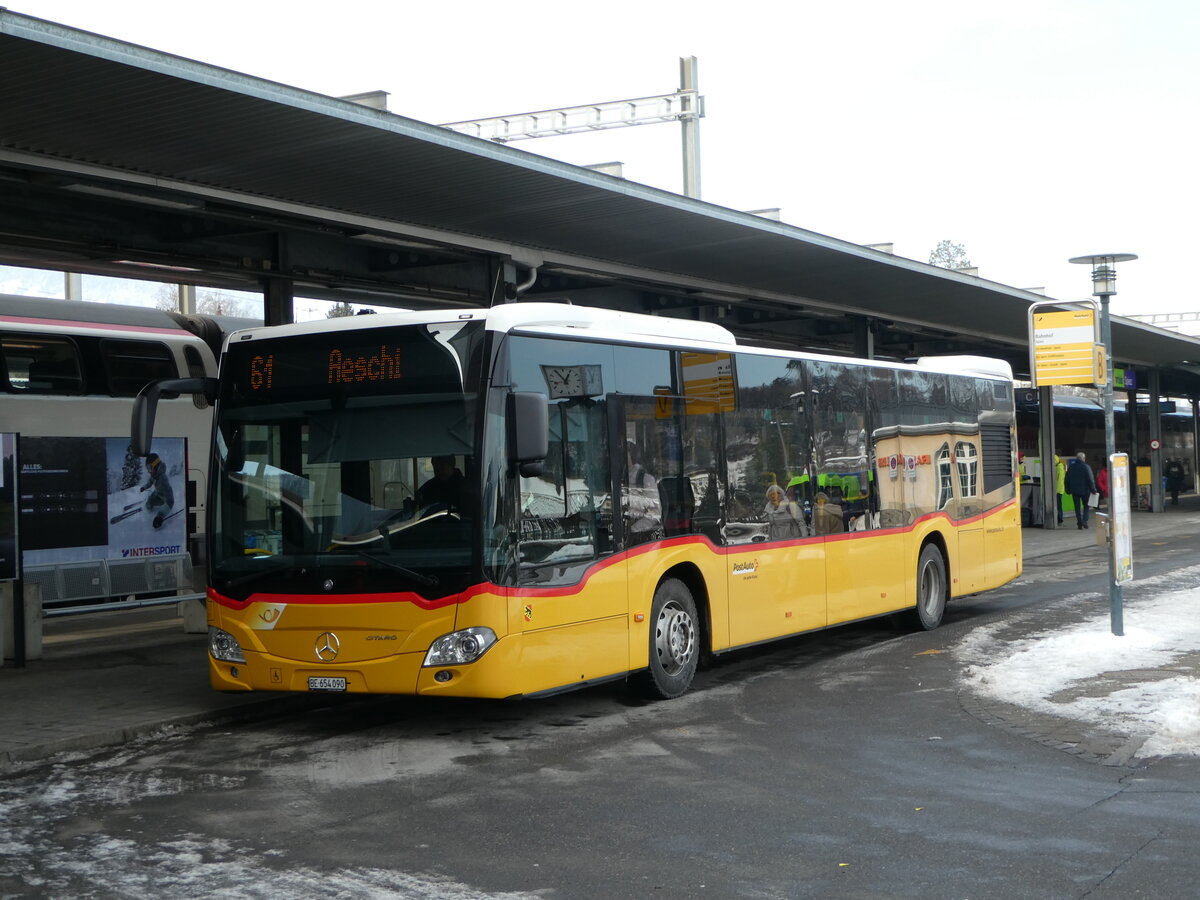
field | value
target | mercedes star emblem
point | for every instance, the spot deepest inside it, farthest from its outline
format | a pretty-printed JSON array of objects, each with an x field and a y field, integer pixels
[{"x": 328, "y": 646}]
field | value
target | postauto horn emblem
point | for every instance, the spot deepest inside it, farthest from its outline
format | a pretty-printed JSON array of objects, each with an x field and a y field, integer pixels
[{"x": 328, "y": 646}]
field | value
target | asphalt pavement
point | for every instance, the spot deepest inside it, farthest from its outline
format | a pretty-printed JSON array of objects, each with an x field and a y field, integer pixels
[{"x": 112, "y": 677}]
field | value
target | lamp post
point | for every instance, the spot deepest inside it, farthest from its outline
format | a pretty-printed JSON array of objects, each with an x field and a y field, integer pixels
[{"x": 1104, "y": 285}]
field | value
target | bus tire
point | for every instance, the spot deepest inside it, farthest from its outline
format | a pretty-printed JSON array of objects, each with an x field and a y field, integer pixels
[
  {"x": 932, "y": 588},
  {"x": 674, "y": 642}
]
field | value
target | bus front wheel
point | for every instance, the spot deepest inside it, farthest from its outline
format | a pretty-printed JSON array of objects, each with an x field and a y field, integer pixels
[
  {"x": 931, "y": 589},
  {"x": 674, "y": 641}
]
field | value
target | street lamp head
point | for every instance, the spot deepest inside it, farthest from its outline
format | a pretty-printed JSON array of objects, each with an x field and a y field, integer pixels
[{"x": 1104, "y": 270}]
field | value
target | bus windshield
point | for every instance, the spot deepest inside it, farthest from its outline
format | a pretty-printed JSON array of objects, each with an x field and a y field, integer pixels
[{"x": 344, "y": 459}]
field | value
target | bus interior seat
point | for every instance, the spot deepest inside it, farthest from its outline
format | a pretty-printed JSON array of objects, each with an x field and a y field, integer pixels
[{"x": 678, "y": 503}]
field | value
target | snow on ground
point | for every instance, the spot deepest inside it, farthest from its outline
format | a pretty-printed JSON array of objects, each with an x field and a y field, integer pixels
[{"x": 1142, "y": 683}]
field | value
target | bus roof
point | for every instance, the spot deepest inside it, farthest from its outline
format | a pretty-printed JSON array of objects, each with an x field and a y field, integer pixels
[
  {"x": 556, "y": 318},
  {"x": 968, "y": 365},
  {"x": 560, "y": 317},
  {"x": 567, "y": 319}
]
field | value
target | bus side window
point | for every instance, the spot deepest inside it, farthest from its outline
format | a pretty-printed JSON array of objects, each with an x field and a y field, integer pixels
[
  {"x": 566, "y": 512},
  {"x": 840, "y": 439},
  {"x": 769, "y": 450},
  {"x": 40, "y": 365}
]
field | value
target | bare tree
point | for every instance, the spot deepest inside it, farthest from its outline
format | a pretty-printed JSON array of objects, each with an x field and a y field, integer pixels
[
  {"x": 949, "y": 255},
  {"x": 211, "y": 305},
  {"x": 219, "y": 303},
  {"x": 166, "y": 298}
]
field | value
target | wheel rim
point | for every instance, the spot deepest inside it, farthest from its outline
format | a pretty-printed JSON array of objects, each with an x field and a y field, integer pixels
[
  {"x": 931, "y": 588},
  {"x": 674, "y": 638}
]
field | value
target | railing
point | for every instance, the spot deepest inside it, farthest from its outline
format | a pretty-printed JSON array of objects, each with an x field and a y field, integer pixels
[{"x": 112, "y": 583}]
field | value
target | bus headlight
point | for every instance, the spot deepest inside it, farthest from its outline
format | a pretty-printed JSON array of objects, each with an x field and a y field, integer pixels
[
  {"x": 460, "y": 647},
  {"x": 224, "y": 646}
]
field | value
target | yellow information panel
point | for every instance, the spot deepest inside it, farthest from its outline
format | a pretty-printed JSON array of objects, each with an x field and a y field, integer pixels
[
  {"x": 709, "y": 386},
  {"x": 1100, "y": 358},
  {"x": 1064, "y": 347},
  {"x": 708, "y": 382}
]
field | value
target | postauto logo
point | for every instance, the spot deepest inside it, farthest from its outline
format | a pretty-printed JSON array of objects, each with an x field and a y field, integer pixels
[{"x": 164, "y": 550}]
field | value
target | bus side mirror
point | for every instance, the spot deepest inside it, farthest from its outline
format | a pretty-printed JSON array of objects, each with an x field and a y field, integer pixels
[
  {"x": 528, "y": 420},
  {"x": 145, "y": 405}
]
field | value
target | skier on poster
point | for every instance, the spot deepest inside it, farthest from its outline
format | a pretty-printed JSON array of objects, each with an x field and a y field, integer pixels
[{"x": 162, "y": 498}]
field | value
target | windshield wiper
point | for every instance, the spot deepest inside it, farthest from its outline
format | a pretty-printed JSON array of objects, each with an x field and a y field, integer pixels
[
  {"x": 426, "y": 580},
  {"x": 270, "y": 569},
  {"x": 251, "y": 577}
]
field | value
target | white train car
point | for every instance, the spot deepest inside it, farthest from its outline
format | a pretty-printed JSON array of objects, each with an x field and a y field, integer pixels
[{"x": 99, "y": 527}]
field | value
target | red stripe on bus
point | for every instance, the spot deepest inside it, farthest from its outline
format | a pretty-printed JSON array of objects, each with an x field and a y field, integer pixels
[
  {"x": 578, "y": 587},
  {"x": 340, "y": 599}
]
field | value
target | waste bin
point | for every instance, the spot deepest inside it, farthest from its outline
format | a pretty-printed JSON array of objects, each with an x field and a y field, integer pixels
[{"x": 1032, "y": 505}]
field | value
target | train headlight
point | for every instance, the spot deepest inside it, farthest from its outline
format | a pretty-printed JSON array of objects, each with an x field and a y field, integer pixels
[
  {"x": 224, "y": 646},
  {"x": 460, "y": 647}
]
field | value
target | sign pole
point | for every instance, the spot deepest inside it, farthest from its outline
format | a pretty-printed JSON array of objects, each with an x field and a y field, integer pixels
[
  {"x": 1115, "y": 594},
  {"x": 1104, "y": 285}
]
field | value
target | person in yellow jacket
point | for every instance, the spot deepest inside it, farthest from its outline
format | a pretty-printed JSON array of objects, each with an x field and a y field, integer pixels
[{"x": 1060, "y": 483}]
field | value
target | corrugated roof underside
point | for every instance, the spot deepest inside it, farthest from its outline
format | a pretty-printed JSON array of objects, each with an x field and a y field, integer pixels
[
  {"x": 163, "y": 126},
  {"x": 161, "y": 117}
]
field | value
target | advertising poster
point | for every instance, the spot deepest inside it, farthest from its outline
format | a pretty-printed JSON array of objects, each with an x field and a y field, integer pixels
[
  {"x": 8, "y": 507},
  {"x": 147, "y": 500},
  {"x": 90, "y": 498},
  {"x": 1122, "y": 527}
]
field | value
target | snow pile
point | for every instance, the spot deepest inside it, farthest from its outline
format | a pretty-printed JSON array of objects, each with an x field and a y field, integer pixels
[{"x": 1143, "y": 683}]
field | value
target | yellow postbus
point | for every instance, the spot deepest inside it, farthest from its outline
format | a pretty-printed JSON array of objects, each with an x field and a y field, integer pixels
[{"x": 515, "y": 501}]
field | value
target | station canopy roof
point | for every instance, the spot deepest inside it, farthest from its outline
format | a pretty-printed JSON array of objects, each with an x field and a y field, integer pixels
[{"x": 118, "y": 159}]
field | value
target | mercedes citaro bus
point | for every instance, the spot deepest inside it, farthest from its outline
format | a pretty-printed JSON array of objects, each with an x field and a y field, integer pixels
[{"x": 536, "y": 497}]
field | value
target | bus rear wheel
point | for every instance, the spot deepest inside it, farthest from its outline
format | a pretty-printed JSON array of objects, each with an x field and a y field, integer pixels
[
  {"x": 674, "y": 641},
  {"x": 931, "y": 589}
]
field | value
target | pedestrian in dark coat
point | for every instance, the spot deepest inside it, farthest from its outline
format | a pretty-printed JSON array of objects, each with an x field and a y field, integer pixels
[
  {"x": 1081, "y": 484},
  {"x": 1175, "y": 475}
]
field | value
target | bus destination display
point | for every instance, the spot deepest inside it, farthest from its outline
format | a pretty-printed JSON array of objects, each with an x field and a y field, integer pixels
[
  {"x": 396, "y": 361},
  {"x": 341, "y": 367}
]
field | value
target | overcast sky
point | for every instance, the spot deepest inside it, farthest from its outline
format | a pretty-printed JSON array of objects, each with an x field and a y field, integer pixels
[{"x": 1029, "y": 131}]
